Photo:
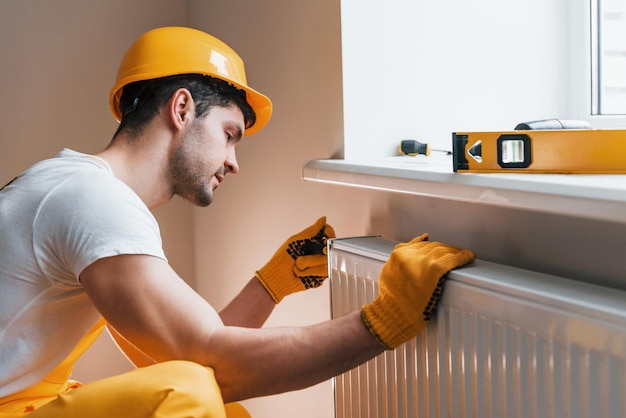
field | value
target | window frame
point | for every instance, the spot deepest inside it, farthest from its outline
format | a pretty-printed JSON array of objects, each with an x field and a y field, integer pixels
[{"x": 583, "y": 67}]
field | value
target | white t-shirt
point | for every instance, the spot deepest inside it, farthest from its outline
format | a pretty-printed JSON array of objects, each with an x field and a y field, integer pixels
[{"x": 57, "y": 218}]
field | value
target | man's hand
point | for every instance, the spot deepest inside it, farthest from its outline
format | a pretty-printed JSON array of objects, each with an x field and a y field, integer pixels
[
  {"x": 300, "y": 263},
  {"x": 410, "y": 286}
]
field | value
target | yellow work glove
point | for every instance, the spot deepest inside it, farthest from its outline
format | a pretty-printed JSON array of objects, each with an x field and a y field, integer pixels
[
  {"x": 300, "y": 263},
  {"x": 410, "y": 285}
]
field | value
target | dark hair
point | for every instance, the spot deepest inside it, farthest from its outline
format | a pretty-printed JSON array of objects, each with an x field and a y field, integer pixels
[{"x": 141, "y": 101}]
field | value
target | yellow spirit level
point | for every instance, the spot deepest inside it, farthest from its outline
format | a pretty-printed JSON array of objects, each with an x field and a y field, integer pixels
[{"x": 583, "y": 151}]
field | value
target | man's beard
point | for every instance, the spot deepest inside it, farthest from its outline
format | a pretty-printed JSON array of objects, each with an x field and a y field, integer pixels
[{"x": 189, "y": 181}]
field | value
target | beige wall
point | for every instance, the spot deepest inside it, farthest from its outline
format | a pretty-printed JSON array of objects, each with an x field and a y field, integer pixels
[
  {"x": 292, "y": 54},
  {"x": 58, "y": 60}
]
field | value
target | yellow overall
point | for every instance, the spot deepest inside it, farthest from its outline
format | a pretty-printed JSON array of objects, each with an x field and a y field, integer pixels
[{"x": 164, "y": 390}]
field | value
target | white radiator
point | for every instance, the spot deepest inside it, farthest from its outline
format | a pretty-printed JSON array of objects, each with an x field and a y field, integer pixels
[{"x": 505, "y": 343}]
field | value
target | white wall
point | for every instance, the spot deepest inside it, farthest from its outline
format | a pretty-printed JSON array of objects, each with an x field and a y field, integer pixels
[
  {"x": 423, "y": 70},
  {"x": 292, "y": 51}
]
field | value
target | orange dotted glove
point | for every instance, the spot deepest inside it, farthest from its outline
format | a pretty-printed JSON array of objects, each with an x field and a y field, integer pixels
[
  {"x": 410, "y": 285},
  {"x": 300, "y": 263}
]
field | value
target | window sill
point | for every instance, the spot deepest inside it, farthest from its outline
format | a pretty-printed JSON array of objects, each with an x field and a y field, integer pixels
[{"x": 601, "y": 197}]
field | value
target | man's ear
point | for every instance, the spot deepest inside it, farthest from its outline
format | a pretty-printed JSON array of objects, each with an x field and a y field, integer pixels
[{"x": 181, "y": 106}]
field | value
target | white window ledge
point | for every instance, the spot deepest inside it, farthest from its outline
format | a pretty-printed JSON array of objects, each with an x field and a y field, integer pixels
[{"x": 601, "y": 197}]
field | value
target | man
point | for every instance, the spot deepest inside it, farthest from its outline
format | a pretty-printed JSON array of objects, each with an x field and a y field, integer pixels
[{"x": 80, "y": 250}]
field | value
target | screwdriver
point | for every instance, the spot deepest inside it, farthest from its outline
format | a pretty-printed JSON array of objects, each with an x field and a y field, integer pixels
[{"x": 412, "y": 147}]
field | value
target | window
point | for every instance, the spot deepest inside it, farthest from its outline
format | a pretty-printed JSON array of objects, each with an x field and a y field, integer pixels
[
  {"x": 426, "y": 69},
  {"x": 608, "y": 57}
]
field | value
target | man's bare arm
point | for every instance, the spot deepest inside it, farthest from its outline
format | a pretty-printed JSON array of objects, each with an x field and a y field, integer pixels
[
  {"x": 275, "y": 360},
  {"x": 151, "y": 307},
  {"x": 250, "y": 308}
]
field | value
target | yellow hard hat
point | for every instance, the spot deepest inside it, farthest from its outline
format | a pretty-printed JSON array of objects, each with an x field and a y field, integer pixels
[{"x": 176, "y": 50}]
